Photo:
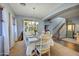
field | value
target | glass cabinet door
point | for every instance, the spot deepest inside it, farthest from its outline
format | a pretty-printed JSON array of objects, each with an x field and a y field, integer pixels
[{"x": 70, "y": 29}]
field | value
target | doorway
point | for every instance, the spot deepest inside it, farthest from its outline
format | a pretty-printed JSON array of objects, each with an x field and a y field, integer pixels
[{"x": 14, "y": 29}]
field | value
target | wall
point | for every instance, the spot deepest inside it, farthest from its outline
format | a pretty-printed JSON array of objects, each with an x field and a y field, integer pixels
[
  {"x": 63, "y": 31},
  {"x": 5, "y": 32},
  {"x": 1, "y": 38},
  {"x": 5, "y": 25},
  {"x": 41, "y": 27},
  {"x": 61, "y": 8},
  {"x": 15, "y": 30},
  {"x": 11, "y": 31},
  {"x": 56, "y": 23},
  {"x": 19, "y": 27},
  {"x": 76, "y": 21},
  {"x": 20, "y": 20},
  {"x": 0, "y": 22}
]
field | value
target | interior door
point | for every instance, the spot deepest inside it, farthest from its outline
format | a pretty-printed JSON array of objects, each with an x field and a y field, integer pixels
[
  {"x": 9, "y": 32},
  {"x": 15, "y": 29}
]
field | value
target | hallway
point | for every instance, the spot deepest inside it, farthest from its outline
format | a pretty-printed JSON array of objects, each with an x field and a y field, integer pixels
[
  {"x": 60, "y": 50},
  {"x": 37, "y": 24},
  {"x": 18, "y": 49},
  {"x": 68, "y": 44}
]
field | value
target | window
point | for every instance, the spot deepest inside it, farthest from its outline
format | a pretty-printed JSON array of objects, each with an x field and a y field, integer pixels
[{"x": 30, "y": 26}]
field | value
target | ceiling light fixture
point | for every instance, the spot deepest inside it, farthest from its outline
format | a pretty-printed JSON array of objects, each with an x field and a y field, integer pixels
[{"x": 34, "y": 8}]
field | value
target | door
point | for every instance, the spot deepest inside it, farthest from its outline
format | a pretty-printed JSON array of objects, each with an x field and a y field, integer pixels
[
  {"x": 9, "y": 32},
  {"x": 15, "y": 29}
]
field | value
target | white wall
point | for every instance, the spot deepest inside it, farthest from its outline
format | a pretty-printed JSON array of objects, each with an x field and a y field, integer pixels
[
  {"x": 20, "y": 20},
  {"x": 0, "y": 22},
  {"x": 60, "y": 8},
  {"x": 54, "y": 23},
  {"x": 5, "y": 24},
  {"x": 63, "y": 31},
  {"x": 1, "y": 45},
  {"x": 76, "y": 21},
  {"x": 15, "y": 30},
  {"x": 5, "y": 32},
  {"x": 19, "y": 26},
  {"x": 1, "y": 37},
  {"x": 41, "y": 27},
  {"x": 11, "y": 39}
]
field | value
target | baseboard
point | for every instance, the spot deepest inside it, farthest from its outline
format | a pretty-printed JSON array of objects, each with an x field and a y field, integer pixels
[
  {"x": 6, "y": 54},
  {"x": 1, "y": 54}
]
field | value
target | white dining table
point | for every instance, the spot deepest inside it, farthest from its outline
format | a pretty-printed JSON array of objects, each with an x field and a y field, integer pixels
[{"x": 30, "y": 45}]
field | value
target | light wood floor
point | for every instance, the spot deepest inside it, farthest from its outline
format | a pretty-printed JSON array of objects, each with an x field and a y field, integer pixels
[
  {"x": 56, "y": 50},
  {"x": 18, "y": 49}
]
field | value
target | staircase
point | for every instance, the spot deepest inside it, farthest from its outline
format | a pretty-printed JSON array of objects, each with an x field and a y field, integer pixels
[{"x": 56, "y": 26}]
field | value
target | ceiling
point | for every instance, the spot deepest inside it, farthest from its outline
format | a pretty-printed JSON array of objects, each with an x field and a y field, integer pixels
[
  {"x": 34, "y": 10},
  {"x": 72, "y": 12}
]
